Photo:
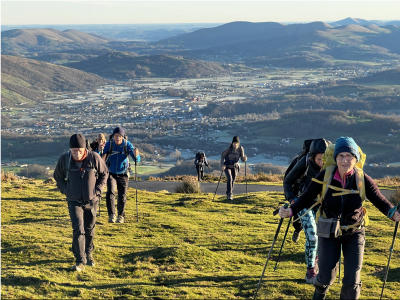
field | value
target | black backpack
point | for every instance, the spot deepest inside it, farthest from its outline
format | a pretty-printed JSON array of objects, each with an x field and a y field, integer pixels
[
  {"x": 300, "y": 155},
  {"x": 198, "y": 154}
]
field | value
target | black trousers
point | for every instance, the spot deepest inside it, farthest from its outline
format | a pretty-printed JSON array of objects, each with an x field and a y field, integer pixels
[
  {"x": 328, "y": 263},
  {"x": 231, "y": 176},
  {"x": 119, "y": 181},
  {"x": 83, "y": 227},
  {"x": 200, "y": 172}
]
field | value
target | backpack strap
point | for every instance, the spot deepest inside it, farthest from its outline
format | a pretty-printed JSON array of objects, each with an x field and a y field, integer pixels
[{"x": 325, "y": 183}]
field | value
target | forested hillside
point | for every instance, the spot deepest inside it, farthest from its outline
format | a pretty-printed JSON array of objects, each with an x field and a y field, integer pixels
[{"x": 125, "y": 65}]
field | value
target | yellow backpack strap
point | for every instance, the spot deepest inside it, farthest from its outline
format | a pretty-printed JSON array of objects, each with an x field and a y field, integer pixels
[{"x": 327, "y": 178}]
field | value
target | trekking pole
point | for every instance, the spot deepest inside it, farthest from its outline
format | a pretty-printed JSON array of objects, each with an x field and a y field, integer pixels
[
  {"x": 270, "y": 250},
  {"x": 390, "y": 254},
  {"x": 100, "y": 207},
  {"x": 137, "y": 207},
  {"x": 217, "y": 185},
  {"x": 340, "y": 262},
  {"x": 245, "y": 176},
  {"x": 283, "y": 242}
]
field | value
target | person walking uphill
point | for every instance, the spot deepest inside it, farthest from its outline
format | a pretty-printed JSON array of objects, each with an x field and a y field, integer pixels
[
  {"x": 343, "y": 188},
  {"x": 304, "y": 170},
  {"x": 116, "y": 152},
  {"x": 229, "y": 164},
  {"x": 199, "y": 162},
  {"x": 81, "y": 175}
]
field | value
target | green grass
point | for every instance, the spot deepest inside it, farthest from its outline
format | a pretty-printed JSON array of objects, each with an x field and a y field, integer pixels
[{"x": 183, "y": 247}]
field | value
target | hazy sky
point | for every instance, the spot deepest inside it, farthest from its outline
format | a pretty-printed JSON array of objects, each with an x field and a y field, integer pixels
[{"x": 148, "y": 12}]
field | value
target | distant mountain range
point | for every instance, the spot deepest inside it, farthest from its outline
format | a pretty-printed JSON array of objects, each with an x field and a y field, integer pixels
[
  {"x": 314, "y": 44},
  {"x": 355, "y": 21},
  {"x": 125, "y": 65},
  {"x": 296, "y": 45},
  {"x": 28, "y": 80}
]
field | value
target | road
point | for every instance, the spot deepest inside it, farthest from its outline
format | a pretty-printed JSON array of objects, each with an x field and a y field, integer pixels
[{"x": 155, "y": 186}]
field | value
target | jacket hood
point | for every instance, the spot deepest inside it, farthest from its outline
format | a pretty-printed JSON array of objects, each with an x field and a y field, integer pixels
[{"x": 318, "y": 146}]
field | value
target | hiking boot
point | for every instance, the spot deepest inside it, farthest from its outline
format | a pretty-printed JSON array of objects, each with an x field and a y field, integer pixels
[
  {"x": 318, "y": 296},
  {"x": 112, "y": 218},
  {"x": 310, "y": 275},
  {"x": 296, "y": 236},
  {"x": 78, "y": 268},
  {"x": 230, "y": 196},
  {"x": 90, "y": 260},
  {"x": 120, "y": 219}
]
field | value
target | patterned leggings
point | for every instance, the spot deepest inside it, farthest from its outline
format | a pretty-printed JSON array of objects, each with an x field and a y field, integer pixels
[{"x": 310, "y": 229}]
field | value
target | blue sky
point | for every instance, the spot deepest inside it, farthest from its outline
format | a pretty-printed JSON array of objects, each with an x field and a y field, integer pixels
[{"x": 151, "y": 12}]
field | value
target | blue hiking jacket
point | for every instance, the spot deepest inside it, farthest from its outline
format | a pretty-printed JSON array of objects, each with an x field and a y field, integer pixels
[{"x": 117, "y": 162}]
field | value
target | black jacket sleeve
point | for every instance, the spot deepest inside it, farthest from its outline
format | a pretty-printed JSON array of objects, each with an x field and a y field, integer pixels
[
  {"x": 102, "y": 172},
  {"x": 307, "y": 198},
  {"x": 60, "y": 172},
  {"x": 298, "y": 170}
]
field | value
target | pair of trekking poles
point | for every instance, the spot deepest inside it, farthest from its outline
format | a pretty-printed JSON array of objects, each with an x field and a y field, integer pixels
[
  {"x": 137, "y": 203},
  {"x": 245, "y": 176}
]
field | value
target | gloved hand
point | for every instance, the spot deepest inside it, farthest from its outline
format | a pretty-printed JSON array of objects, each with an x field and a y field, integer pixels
[{"x": 285, "y": 212}]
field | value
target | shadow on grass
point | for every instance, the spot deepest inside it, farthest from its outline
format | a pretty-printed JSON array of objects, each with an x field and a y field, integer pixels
[
  {"x": 43, "y": 262},
  {"x": 393, "y": 275},
  {"x": 21, "y": 281},
  {"x": 33, "y": 199}
]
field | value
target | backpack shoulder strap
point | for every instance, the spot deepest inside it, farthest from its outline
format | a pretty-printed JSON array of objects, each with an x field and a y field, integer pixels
[{"x": 360, "y": 183}]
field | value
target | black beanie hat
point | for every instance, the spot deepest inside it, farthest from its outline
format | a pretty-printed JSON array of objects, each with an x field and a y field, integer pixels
[
  {"x": 235, "y": 139},
  {"x": 119, "y": 130},
  {"x": 77, "y": 141}
]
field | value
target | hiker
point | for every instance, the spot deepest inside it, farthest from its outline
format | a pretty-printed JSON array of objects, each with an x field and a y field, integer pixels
[
  {"x": 229, "y": 164},
  {"x": 303, "y": 171},
  {"x": 342, "y": 217},
  {"x": 98, "y": 144},
  {"x": 116, "y": 154},
  {"x": 199, "y": 162},
  {"x": 81, "y": 175}
]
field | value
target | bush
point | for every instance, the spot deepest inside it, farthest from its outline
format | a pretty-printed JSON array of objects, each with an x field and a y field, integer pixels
[
  {"x": 395, "y": 197},
  {"x": 33, "y": 171},
  {"x": 9, "y": 176},
  {"x": 268, "y": 168},
  {"x": 189, "y": 185}
]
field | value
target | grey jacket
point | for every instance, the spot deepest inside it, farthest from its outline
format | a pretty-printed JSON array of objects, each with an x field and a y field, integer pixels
[
  {"x": 231, "y": 155},
  {"x": 85, "y": 183}
]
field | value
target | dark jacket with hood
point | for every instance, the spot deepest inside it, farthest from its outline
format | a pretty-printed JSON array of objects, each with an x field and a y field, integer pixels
[
  {"x": 85, "y": 182},
  {"x": 305, "y": 169}
]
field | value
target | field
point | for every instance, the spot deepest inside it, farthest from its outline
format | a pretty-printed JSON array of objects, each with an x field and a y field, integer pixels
[{"x": 184, "y": 246}]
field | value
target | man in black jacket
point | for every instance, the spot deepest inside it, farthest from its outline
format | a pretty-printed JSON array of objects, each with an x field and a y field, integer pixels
[{"x": 81, "y": 175}]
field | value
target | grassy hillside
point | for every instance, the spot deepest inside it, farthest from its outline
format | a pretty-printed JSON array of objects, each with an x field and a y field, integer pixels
[
  {"x": 27, "y": 80},
  {"x": 41, "y": 40},
  {"x": 123, "y": 65},
  {"x": 183, "y": 247}
]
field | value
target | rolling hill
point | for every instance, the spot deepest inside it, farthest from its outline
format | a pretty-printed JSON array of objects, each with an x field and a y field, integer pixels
[
  {"x": 240, "y": 32},
  {"x": 27, "y": 80},
  {"x": 124, "y": 65},
  {"x": 23, "y": 41},
  {"x": 296, "y": 45}
]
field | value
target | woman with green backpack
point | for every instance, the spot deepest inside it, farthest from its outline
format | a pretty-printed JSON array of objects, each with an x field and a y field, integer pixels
[{"x": 342, "y": 188}]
